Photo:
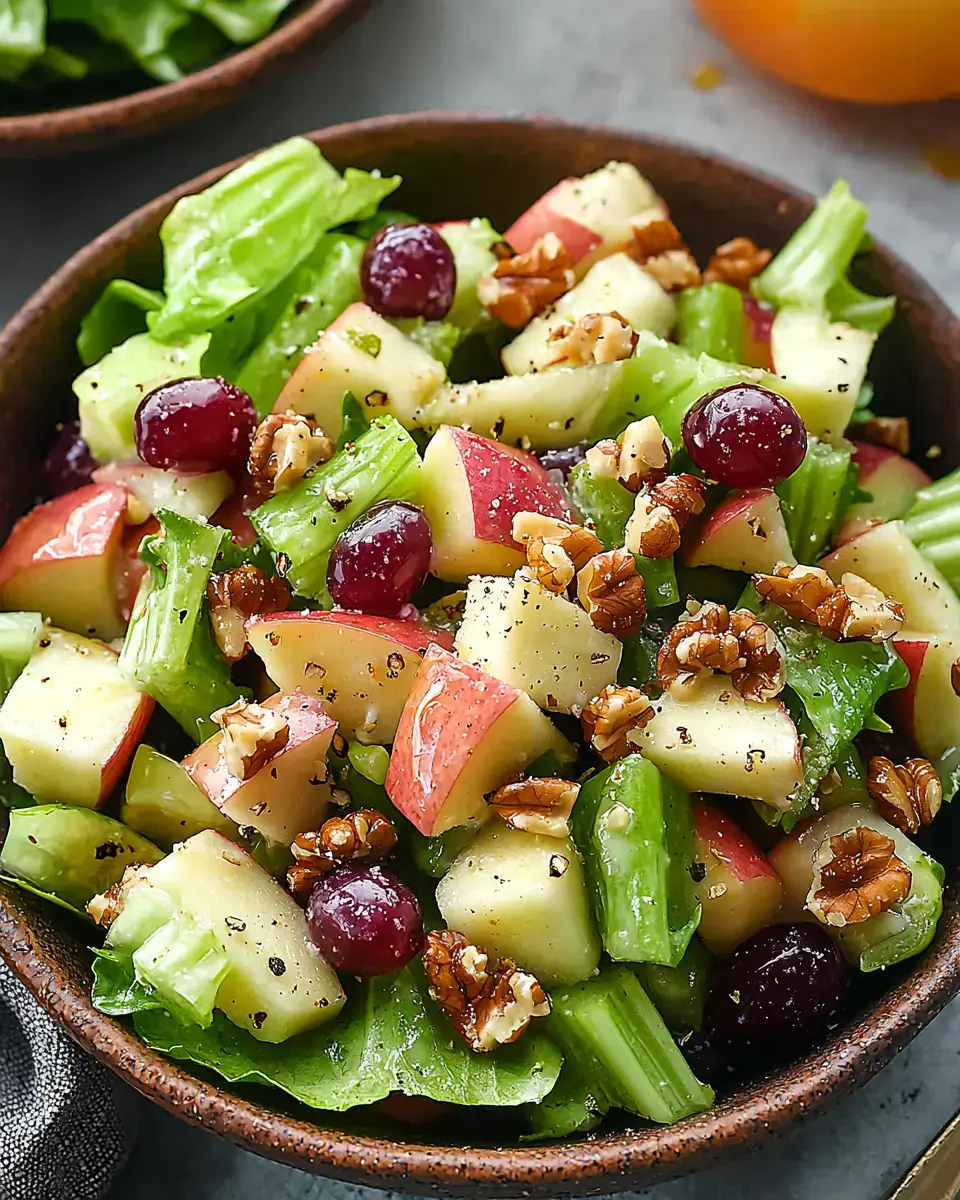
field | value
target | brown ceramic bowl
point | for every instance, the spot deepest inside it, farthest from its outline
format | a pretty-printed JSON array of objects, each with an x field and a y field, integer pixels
[
  {"x": 309, "y": 24},
  {"x": 460, "y": 166}
]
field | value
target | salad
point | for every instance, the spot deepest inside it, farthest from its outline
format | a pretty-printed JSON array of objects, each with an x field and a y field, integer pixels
[{"x": 461, "y": 667}]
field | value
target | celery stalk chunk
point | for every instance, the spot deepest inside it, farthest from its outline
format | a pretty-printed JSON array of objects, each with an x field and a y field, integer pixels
[
  {"x": 815, "y": 497},
  {"x": 184, "y": 963},
  {"x": 710, "y": 321},
  {"x": 933, "y": 525},
  {"x": 679, "y": 992}
]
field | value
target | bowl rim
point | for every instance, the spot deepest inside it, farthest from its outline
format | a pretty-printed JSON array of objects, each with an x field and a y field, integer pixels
[{"x": 589, "y": 1164}]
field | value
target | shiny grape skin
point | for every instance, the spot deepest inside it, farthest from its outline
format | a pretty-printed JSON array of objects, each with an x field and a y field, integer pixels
[
  {"x": 409, "y": 271},
  {"x": 364, "y": 920},
  {"x": 777, "y": 992},
  {"x": 69, "y": 465},
  {"x": 563, "y": 460},
  {"x": 381, "y": 560},
  {"x": 195, "y": 426},
  {"x": 745, "y": 436}
]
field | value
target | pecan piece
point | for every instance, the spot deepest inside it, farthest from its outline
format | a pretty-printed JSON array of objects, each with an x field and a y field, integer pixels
[
  {"x": 490, "y": 1004},
  {"x": 856, "y": 875},
  {"x": 285, "y": 446},
  {"x": 520, "y": 287},
  {"x": 537, "y": 805},
  {"x": 660, "y": 514},
  {"x": 555, "y": 549},
  {"x": 237, "y": 595},
  {"x": 106, "y": 907},
  {"x": 893, "y": 433},
  {"x": 613, "y": 593},
  {"x": 610, "y": 718},
  {"x": 846, "y": 611},
  {"x": 252, "y": 736},
  {"x": 364, "y": 833},
  {"x": 907, "y": 796},
  {"x": 640, "y": 455},
  {"x": 595, "y": 338},
  {"x": 708, "y": 638},
  {"x": 662, "y": 252},
  {"x": 736, "y": 262}
]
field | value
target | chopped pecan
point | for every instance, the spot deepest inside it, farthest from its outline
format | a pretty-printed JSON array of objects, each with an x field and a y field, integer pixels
[
  {"x": 846, "y": 611},
  {"x": 662, "y": 252},
  {"x": 798, "y": 590},
  {"x": 252, "y": 736},
  {"x": 285, "y": 446},
  {"x": 550, "y": 564},
  {"x": 856, "y": 875},
  {"x": 603, "y": 459},
  {"x": 891, "y": 432},
  {"x": 660, "y": 514},
  {"x": 736, "y": 262},
  {"x": 640, "y": 455},
  {"x": 536, "y": 805},
  {"x": 364, "y": 833},
  {"x": 106, "y": 907},
  {"x": 555, "y": 549},
  {"x": 613, "y": 593},
  {"x": 595, "y": 338},
  {"x": 654, "y": 237},
  {"x": 237, "y": 595},
  {"x": 611, "y": 717},
  {"x": 709, "y": 638},
  {"x": 519, "y": 288},
  {"x": 907, "y": 796}
]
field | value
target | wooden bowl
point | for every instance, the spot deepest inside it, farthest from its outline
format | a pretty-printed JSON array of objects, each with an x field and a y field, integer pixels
[
  {"x": 310, "y": 25},
  {"x": 456, "y": 165}
]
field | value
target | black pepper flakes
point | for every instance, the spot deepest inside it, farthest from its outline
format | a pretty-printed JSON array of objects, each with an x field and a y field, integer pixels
[{"x": 277, "y": 965}]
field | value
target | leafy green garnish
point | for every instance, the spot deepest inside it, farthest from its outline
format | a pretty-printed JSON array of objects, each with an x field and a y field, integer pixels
[
  {"x": 353, "y": 420},
  {"x": 22, "y": 36},
  {"x": 119, "y": 314}
]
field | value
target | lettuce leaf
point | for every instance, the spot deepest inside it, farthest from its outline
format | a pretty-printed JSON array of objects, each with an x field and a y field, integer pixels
[
  {"x": 22, "y": 35},
  {"x": 119, "y": 314},
  {"x": 142, "y": 27},
  {"x": 241, "y": 20}
]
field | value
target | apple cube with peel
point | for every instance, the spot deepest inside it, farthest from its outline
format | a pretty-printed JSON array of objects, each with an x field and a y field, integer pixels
[
  {"x": 745, "y": 532},
  {"x": 362, "y": 353},
  {"x": 715, "y": 741},
  {"x": 593, "y": 215},
  {"x": 359, "y": 665},
  {"x": 462, "y": 734},
  {"x": 64, "y": 559},
  {"x": 740, "y": 893},
  {"x": 892, "y": 481},
  {"x": 928, "y": 707},
  {"x": 471, "y": 488},
  {"x": 525, "y": 635},
  {"x": 287, "y": 795},
  {"x": 71, "y": 722},
  {"x": 195, "y": 496},
  {"x": 887, "y": 558}
]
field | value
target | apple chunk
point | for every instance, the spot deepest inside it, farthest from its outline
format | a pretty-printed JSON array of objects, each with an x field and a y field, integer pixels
[
  {"x": 471, "y": 488},
  {"x": 63, "y": 559},
  {"x": 715, "y": 741},
  {"x": 196, "y": 496},
  {"x": 361, "y": 666},
  {"x": 745, "y": 532},
  {"x": 462, "y": 735},
  {"x": 290, "y": 793},
  {"x": 892, "y": 481},
  {"x": 928, "y": 707},
  {"x": 71, "y": 722}
]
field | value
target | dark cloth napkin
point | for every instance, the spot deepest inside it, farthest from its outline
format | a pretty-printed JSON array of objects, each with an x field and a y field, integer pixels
[{"x": 66, "y": 1124}]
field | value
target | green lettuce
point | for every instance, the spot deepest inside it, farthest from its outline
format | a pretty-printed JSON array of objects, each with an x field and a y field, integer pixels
[
  {"x": 241, "y": 20},
  {"x": 119, "y": 314},
  {"x": 22, "y": 35},
  {"x": 143, "y": 28}
]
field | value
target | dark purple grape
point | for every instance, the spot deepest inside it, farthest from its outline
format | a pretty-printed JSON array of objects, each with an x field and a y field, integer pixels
[
  {"x": 195, "y": 426},
  {"x": 745, "y": 436},
  {"x": 380, "y": 560},
  {"x": 408, "y": 271},
  {"x": 69, "y": 464},
  {"x": 564, "y": 460},
  {"x": 364, "y": 920},
  {"x": 778, "y": 990}
]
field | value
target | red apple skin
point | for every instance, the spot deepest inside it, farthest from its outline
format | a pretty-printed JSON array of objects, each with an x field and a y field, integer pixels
[
  {"x": 503, "y": 482},
  {"x": 541, "y": 218},
  {"x": 757, "y": 323},
  {"x": 735, "y": 510},
  {"x": 894, "y": 482},
  {"x": 905, "y": 699},
  {"x": 118, "y": 762},
  {"x": 408, "y": 633}
]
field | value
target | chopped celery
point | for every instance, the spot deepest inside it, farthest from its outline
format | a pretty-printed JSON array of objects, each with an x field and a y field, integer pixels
[
  {"x": 909, "y": 927},
  {"x": 815, "y": 497},
  {"x": 184, "y": 963},
  {"x": 933, "y": 525},
  {"x": 638, "y": 661},
  {"x": 634, "y": 829},
  {"x": 169, "y": 650},
  {"x": 611, "y": 1032},
  {"x": 710, "y": 321},
  {"x": 301, "y": 525},
  {"x": 847, "y": 303},
  {"x": 145, "y": 910},
  {"x": 571, "y": 1107},
  {"x": 679, "y": 992}
]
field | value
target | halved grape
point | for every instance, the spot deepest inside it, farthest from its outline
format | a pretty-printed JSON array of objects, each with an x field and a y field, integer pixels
[
  {"x": 195, "y": 426},
  {"x": 408, "y": 271},
  {"x": 69, "y": 464},
  {"x": 381, "y": 560}
]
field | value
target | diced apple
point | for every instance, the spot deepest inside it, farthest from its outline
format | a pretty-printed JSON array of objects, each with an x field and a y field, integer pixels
[
  {"x": 361, "y": 666},
  {"x": 63, "y": 559},
  {"x": 164, "y": 804},
  {"x": 541, "y": 643},
  {"x": 928, "y": 707},
  {"x": 196, "y": 496},
  {"x": 615, "y": 284},
  {"x": 291, "y": 792},
  {"x": 462, "y": 734},
  {"x": 886, "y": 557},
  {"x": 362, "y": 353},
  {"x": 822, "y": 366},
  {"x": 893, "y": 482},
  {"x": 740, "y": 893},
  {"x": 471, "y": 488},
  {"x": 715, "y": 741},
  {"x": 522, "y": 896},
  {"x": 71, "y": 722},
  {"x": 593, "y": 216},
  {"x": 757, "y": 323},
  {"x": 745, "y": 532}
]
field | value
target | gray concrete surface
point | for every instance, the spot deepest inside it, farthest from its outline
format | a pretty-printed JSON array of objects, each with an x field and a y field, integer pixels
[{"x": 620, "y": 62}]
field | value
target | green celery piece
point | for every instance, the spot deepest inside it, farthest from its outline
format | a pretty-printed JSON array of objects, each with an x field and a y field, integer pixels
[
  {"x": 608, "y": 505},
  {"x": 710, "y": 321},
  {"x": 933, "y": 525},
  {"x": 845, "y": 302},
  {"x": 434, "y": 856},
  {"x": 634, "y": 830},
  {"x": 110, "y": 391},
  {"x": 438, "y": 338},
  {"x": 22, "y": 36},
  {"x": 815, "y": 497},
  {"x": 144, "y": 30},
  {"x": 115, "y": 990},
  {"x": 679, "y": 992},
  {"x": 242, "y": 21},
  {"x": 638, "y": 661},
  {"x": 472, "y": 244},
  {"x": 169, "y": 650},
  {"x": 572, "y": 1107},
  {"x": 918, "y": 918},
  {"x": 612, "y": 1033},
  {"x": 391, "y": 1037},
  {"x": 318, "y": 291},
  {"x": 302, "y": 524},
  {"x": 353, "y": 420},
  {"x": 184, "y": 963},
  {"x": 118, "y": 315},
  {"x": 371, "y": 761},
  {"x": 163, "y": 803}
]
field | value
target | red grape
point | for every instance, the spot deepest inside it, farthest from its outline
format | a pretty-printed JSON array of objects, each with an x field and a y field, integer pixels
[
  {"x": 563, "y": 460},
  {"x": 380, "y": 560},
  {"x": 745, "y": 436},
  {"x": 69, "y": 464},
  {"x": 408, "y": 271},
  {"x": 195, "y": 426}
]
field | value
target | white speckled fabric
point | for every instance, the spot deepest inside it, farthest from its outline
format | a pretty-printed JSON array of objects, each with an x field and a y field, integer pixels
[{"x": 66, "y": 1125}]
